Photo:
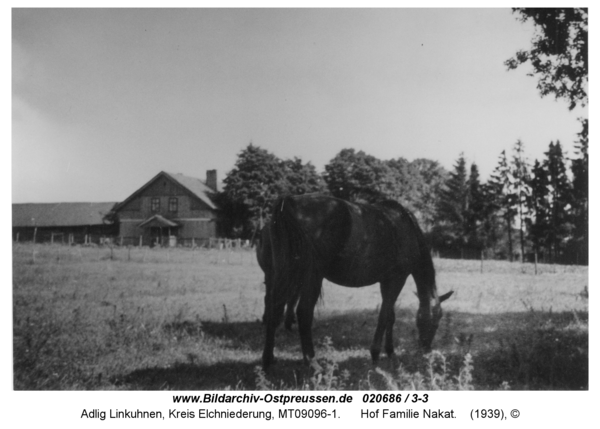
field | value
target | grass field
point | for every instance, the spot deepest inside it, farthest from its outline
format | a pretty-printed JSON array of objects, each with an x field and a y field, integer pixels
[{"x": 136, "y": 319}]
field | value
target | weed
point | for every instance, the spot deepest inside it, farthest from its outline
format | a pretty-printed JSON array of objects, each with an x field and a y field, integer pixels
[{"x": 437, "y": 376}]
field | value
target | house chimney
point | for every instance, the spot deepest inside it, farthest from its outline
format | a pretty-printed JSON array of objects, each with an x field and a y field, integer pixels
[{"x": 211, "y": 179}]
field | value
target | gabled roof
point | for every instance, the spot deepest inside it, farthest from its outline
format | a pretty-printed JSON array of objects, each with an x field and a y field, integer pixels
[
  {"x": 158, "y": 220},
  {"x": 59, "y": 214},
  {"x": 195, "y": 186}
]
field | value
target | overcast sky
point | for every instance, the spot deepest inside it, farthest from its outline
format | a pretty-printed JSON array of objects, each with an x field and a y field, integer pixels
[{"x": 103, "y": 100}]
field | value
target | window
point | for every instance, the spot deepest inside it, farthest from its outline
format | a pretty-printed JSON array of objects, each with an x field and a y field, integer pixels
[
  {"x": 155, "y": 204},
  {"x": 172, "y": 204}
]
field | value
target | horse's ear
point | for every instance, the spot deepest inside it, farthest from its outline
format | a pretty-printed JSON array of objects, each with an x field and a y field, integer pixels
[{"x": 445, "y": 296}]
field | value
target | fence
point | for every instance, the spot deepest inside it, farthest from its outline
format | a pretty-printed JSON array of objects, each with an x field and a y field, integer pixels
[
  {"x": 46, "y": 253},
  {"x": 41, "y": 236}
]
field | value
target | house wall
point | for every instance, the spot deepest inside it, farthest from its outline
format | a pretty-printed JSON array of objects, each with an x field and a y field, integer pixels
[{"x": 197, "y": 220}]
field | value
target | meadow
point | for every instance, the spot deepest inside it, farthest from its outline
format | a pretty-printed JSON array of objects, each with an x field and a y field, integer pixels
[{"x": 103, "y": 318}]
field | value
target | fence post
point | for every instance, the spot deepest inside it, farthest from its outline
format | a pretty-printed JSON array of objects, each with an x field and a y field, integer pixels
[
  {"x": 535, "y": 262},
  {"x": 140, "y": 240},
  {"x": 482, "y": 262}
]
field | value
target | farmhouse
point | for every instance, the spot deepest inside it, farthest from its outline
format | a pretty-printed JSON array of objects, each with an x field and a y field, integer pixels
[
  {"x": 170, "y": 209},
  {"x": 63, "y": 222}
]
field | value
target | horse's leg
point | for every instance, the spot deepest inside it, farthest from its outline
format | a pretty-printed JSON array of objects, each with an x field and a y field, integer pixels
[
  {"x": 390, "y": 289},
  {"x": 290, "y": 317},
  {"x": 396, "y": 286},
  {"x": 272, "y": 317},
  {"x": 305, "y": 312},
  {"x": 268, "y": 357}
]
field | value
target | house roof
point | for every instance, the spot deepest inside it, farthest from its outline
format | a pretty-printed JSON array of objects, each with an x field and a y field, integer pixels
[
  {"x": 195, "y": 186},
  {"x": 59, "y": 214}
]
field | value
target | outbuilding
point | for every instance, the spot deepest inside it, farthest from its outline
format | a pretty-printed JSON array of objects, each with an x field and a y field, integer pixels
[{"x": 67, "y": 223}]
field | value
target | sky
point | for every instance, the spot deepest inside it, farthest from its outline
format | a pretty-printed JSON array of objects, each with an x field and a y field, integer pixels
[{"x": 104, "y": 99}]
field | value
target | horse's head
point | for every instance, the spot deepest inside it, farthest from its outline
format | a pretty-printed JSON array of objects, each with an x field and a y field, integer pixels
[{"x": 428, "y": 320}]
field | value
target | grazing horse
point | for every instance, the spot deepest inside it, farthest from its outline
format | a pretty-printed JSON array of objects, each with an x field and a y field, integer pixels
[{"x": 315, "y": 237}]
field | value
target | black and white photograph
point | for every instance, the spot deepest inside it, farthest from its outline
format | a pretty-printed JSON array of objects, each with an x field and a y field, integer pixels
[{"x": 383, "y": 200}]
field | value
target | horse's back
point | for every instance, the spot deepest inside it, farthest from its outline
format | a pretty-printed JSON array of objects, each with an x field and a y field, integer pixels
[{"x": 356, "y": 244}]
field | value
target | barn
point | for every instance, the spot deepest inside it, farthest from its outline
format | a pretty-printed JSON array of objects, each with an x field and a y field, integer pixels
[
  {"x": 170, "y": 209},
  {"x": 67, "y": 223}
]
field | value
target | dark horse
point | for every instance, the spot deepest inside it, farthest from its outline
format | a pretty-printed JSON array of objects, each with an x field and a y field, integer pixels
[{"x": 312, "y": 237}]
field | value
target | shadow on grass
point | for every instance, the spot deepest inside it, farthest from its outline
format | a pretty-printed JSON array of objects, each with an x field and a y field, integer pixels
[{"x": 519, "y": 350}]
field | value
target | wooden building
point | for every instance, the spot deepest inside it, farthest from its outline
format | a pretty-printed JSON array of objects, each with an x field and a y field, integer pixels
[
  {"x": 69, "y": 223},
  {"x": 171, "y": 209}
]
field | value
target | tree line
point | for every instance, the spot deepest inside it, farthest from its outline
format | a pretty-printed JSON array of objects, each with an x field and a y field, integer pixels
[{"x": 524, "y": 210}]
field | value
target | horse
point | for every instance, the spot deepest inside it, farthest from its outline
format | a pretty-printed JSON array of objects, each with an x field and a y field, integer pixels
[{"x": 313, "y": 237}]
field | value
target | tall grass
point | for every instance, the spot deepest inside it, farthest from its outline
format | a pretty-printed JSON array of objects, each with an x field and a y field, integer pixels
[{"x": 101, "y": 318}]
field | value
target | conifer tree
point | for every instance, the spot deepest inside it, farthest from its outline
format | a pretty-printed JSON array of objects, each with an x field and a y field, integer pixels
[
  {"x": 452, "y": 207},
  {"x": 520, "y": 189},
  {"x": 539, "y": 207},
  {"x": 579, "y": 169},
  {"x": 474, "y": 209},
  {"x": 500, "y": 192},
  {"x": 560, "y": 198}
]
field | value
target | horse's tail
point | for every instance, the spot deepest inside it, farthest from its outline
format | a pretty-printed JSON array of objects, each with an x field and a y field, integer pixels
[{"x": 294, "y": 261}]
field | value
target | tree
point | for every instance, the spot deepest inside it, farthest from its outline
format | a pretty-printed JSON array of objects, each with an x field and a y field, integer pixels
[
  {"x": 491, "y": 229},
  {"x": 404, "y": 187},
  {"x": 539, "y": 207},
  {"x": 559, "y": 52},
  {"x": 500, "y": 194},
  {"x": 474, "y": 209},
  {"x": 249, "y": 190},
  {"x": 520, "y": 189},
  {"x": 255, "y": 182},
  {"x": 427, "y": 178},
  {"x": 301, "y": 178},
  {"x": 355, "y": 176},
  {"x": 451, "y": 229},
  {"x": 579, "y": 169},
  {"x": 560, "y": 198}
]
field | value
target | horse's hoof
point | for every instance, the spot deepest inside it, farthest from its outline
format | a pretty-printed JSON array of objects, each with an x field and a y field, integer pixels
[
  {"x": 394, "y": 360},
  {"x": 268, "y": 362},
  {"x": 374, "y": 356}
]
